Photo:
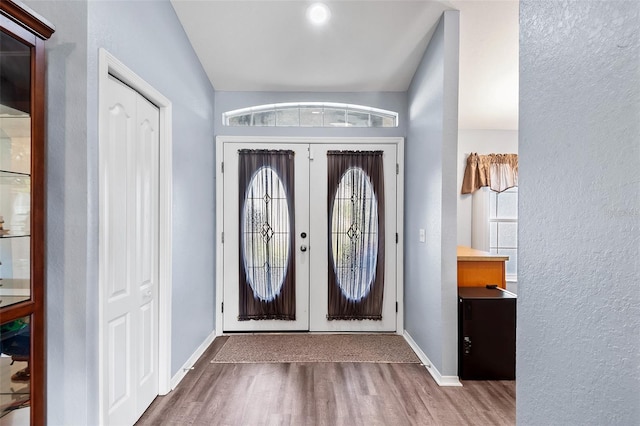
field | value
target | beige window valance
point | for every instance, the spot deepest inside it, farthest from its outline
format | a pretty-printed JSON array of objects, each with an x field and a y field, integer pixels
[{"x": 497, "y": 171}]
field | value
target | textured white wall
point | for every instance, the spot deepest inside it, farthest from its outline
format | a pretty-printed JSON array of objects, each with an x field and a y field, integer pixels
[
  {"x": 578, "y": 338},
  {"x": 430, "y": 199},
  {"x": 482, "y": 142}
]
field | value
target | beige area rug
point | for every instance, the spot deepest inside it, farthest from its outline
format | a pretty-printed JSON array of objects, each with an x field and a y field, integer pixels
[{"x": 274, "y": 348}]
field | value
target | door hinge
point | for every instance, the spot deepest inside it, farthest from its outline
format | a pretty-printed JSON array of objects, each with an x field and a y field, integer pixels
[
  {"x": 222, "y": 307},
  {"x": 396, "y": 306},
  {"x": 222, "y": 235},
  {"x": 222, "y": 167},
  {"x": 397, "y": 168},
  {"x": 397, "y": 238}
]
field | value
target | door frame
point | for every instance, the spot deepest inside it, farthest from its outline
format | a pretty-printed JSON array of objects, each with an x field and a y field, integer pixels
[
  {"x": 398, "y": 141},
  {"x": 109, "y": 65}
]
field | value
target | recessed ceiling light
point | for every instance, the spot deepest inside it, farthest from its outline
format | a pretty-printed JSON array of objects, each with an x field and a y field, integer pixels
[{"x": 318, "y": 13}]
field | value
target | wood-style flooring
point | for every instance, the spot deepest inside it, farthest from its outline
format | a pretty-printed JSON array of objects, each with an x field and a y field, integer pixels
[{"x": 327, "y": 394}]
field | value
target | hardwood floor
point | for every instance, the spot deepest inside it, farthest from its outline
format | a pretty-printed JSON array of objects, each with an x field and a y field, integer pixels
[{"x": 327, "y": 394}]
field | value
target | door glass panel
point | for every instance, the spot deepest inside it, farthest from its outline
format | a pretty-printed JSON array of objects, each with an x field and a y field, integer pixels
[
  {"x": 266, "y": 234},
  {"x": 267, "y": 270},
  {"x": 15, "y": 170},
  {"x": 15, "y": 374},
  {"x": 356, "y": 234}
]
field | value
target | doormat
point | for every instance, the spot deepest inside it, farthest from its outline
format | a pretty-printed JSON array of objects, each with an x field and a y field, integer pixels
[{"x": 282, "y": 348}]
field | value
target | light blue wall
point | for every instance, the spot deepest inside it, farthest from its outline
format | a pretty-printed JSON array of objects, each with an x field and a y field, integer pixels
[
  {"x": 229, "y": 101},
  {"x": 130, "y": 31},
  {"x": 69, "y": 361},
  {"x": 430, "y": 200},
  {"x": 578, "y": 337},
  {"x": 149, "y": 39}
]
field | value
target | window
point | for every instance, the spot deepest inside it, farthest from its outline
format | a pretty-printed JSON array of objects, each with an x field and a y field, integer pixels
[
  {"x": 310, "y": 114},
  {"x": 503, "y": 228}
]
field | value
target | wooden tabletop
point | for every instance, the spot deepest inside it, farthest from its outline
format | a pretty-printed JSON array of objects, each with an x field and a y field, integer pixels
[{"x": 474, "y": 255}]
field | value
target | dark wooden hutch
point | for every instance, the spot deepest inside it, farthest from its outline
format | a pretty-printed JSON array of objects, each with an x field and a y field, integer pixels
[{"x": 22, "y": 213}]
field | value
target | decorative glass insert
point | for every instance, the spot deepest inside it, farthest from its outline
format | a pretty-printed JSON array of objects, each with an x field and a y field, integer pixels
[
  {"x": 311, "y": 114},
  {"x": 266, "y": 233},
  {"x": 266, "y": 269},
  {"x": 354, "y": 234},
  {"x": 355, "y": 199}
]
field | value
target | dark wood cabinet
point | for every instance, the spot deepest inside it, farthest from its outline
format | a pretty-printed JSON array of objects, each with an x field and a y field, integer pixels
[
  {"x": 487, "y": 334},
  {"x": 22, "y": 214}
]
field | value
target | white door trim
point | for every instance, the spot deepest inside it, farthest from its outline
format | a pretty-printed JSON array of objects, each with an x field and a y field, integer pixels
[
  {"x": 398, "y": 141},
  {"x": 109, "y": 65}
]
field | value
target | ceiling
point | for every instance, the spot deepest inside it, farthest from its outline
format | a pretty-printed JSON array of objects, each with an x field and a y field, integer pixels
[{"x": 367, "y": 46}]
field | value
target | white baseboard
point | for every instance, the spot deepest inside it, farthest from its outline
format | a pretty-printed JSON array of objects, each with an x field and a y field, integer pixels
[
  {"x": 439, "y": 378},
  {"x": 175, "y": 380}
]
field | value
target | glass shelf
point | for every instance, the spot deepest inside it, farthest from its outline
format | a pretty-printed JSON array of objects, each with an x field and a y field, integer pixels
[
  {"x": 14, "y": 291},
  {"x": 10, "y": 234},
  {"x": 15, "y": 287},
  {"x": 10, "y": 174},
  {"x": 12, "y": 300}
]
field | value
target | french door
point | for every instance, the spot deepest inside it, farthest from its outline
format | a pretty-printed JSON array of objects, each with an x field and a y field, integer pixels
[
  {"x": 266, "y": 225},
  {"x": 309, "y": 237}
]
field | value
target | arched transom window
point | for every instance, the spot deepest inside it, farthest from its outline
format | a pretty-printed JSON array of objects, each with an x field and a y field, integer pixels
[{"x": 311, "y": 114}]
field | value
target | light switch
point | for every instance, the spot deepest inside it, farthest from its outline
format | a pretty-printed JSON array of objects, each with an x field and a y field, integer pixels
[{"x": 423, "y": 236}]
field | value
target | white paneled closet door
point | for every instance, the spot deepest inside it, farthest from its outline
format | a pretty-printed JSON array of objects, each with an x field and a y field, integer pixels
[{"x": 129, "y": 238}]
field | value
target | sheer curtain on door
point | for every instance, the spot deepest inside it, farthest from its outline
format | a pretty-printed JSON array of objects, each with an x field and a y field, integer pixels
[
  {"x": 267, "y": 266},
  {"x": 356, "y": 234}
]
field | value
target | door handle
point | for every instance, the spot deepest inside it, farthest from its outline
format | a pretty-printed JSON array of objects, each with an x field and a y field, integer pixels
[{"x": 303, "y": 248}]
